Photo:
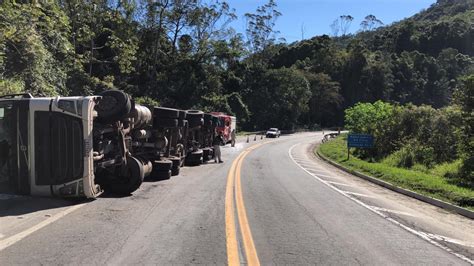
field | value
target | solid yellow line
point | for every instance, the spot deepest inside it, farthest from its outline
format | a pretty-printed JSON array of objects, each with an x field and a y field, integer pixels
[
  {"x": 249, "y": 246},
  {"x": 230, "y": 231}
]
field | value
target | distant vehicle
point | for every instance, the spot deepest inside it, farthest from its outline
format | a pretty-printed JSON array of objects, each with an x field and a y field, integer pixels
[{"x": 273, "y": 133}]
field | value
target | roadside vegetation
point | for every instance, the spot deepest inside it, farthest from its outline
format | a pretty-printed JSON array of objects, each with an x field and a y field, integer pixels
[
  {"x": 416, "y": 147},
  {"x": 184, "y": 54},
  {"x": 431, "y": 182}
]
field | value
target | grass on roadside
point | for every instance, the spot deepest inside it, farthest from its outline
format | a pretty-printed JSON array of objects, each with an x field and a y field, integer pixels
[{"x": 428, "y": 184}]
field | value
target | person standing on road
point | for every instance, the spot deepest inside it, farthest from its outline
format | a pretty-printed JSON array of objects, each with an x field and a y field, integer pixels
[
  {"x": 232, "y": 138},
  {"x": 218, "y": 140}
]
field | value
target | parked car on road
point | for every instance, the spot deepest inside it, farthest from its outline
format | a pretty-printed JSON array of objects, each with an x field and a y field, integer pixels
[{"x": 273, "y": 133}]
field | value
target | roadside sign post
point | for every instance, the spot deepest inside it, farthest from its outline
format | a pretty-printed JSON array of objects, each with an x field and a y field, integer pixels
[{"x": 359, "y": 141}]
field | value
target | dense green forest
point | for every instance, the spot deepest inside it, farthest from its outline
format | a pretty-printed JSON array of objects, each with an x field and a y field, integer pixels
[{"x": 184, "y": 54}]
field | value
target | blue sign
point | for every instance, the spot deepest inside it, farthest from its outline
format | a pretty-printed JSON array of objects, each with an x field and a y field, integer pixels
[{"x": 360, "y": 141}]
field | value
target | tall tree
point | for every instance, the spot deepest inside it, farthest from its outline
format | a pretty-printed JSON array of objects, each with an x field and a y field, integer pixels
[
  {"x": 260, "y": 26},
  {"x": 370, "y": 22}
]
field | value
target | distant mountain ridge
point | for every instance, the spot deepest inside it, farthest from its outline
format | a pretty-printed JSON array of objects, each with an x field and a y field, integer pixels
[
  {"x": 419, "y": 60},
  {"x": 445, "y": 24}
]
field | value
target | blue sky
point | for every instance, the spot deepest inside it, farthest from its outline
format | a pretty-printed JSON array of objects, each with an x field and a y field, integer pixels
[{"x": 316, "y": 15}]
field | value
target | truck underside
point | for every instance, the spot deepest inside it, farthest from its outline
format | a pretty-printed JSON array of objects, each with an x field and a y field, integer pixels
[{"x": 81, "y": 146}]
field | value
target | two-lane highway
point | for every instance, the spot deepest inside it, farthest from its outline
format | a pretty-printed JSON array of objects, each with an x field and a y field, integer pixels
[{"x": 271, "y": 202}]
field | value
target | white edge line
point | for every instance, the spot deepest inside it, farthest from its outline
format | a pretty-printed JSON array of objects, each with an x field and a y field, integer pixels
[
  {"x": 357, "y": 194},
  {"x": 409, "y": 229},
  {"x": 15, "y": 238},
  {"x": 392, "y": 211},
  {"x": 339, "y": 184},
  {"x": 451, "y": 240}
]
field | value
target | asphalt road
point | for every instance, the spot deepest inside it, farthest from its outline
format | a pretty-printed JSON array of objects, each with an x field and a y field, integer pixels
[{"x": 279, "y": 205}]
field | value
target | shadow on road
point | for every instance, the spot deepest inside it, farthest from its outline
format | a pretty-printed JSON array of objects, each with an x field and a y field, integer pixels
[{"x": 15, "y": 205}]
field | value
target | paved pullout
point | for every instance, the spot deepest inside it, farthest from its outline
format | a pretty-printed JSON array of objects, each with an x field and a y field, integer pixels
[{"x": 294, "y": 219}]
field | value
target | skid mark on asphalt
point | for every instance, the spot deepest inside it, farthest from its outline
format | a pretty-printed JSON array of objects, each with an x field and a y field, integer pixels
[{"x": 431, "y": 238}]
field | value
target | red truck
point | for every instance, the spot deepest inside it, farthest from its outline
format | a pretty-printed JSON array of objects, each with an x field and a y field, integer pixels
[{"x": 226, "y": 124}]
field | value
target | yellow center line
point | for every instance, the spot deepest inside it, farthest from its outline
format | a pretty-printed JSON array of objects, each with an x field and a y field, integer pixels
[
  {"x": 230, "y": 231},
  {"x": 234, "y": 181},
  {"x": 249, "y": 246}
]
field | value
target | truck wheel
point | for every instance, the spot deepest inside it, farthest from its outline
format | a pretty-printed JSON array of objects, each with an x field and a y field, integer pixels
[
  {"x": 113, "y": 106},
  {"x": 162, "y": 175},
  {"x": 194, "y": 113},
  {"x": 175, "y": 171},
  {"x": 162, "y": 165},
  {"x": 175, "y": 162},
  {"x": 194, "y": 117},
  {"x": 181, "y": 123},
  {"x": 161, "y": 170},
  {"x": 163, "y": 112},
  {"x": 182, "y": 115},
  {"x": 165, "y": 122},
  {"x": 132, "y": 182},
  {"x": 195, "y": 122},
  {"x": 205, "y": 154},
  {"x": 194, "y": 158}
]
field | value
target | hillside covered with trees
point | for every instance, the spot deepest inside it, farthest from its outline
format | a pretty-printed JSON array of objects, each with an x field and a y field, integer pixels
[{"x": 184, "y": 54}]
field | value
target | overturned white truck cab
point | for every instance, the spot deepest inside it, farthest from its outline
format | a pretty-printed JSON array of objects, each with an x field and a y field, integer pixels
[{"x": 70, "y": 146}]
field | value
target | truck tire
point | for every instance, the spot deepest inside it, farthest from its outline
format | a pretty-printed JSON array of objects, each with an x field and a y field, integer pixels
[
  {"x": 181, "y": 123},
  {"x": 132, "y": 182},
  {"x": 194, "y": 158},
  {"x": 195, "y": 122},
  {"x": 205, "y": 154},
  {"x": 175, "y": 171},
  {"x": 162, "y": 175},
  {"x": 161, "y": 170},
  {"x": 175, "y": 162},
  {"x": 182, "y": 115},
  {"x": 163, "y": 112},
  {"x": 194, "y": 115},
  {"x": 162, "y": 165},
  {"x": 165, "y": 122},
  {"x": 114, "y": 105}
]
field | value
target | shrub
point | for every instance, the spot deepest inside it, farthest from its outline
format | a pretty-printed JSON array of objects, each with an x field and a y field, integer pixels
[
  {"x": 409, "y": 134},
  {"x": 376, "y": 119}
]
